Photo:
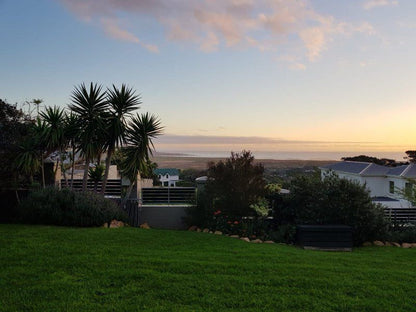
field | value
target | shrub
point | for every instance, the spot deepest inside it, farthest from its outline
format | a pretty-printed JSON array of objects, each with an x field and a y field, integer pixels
[
  {"x": 235, "y": 184},
  {"x": 70, "y": 208},
  {"x": 402, "y": 234},
  {"x": 334, "y": 201}
]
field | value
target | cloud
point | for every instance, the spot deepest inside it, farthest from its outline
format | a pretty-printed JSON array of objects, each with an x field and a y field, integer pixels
[
  {"x": 371, "y": 4},
  {"x": 214, "y": 24},
  {"x": 113, "y": 30}
]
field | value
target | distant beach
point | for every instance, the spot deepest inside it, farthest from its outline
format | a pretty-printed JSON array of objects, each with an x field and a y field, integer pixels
[{"x": 199, "y": 159}]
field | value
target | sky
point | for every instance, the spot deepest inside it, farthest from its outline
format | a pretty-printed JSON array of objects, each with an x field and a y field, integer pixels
[{"x": 265, "y": 75}]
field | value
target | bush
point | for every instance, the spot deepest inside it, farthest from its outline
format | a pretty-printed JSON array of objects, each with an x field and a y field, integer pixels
[
  {"x": 334, "y": 201},
  {"x": 235, "y": 184},
  {"x": 402, "y": 234},
  {"x": 69, "y": 208}
]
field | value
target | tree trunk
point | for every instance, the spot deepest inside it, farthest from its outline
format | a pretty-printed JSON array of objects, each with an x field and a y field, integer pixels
[
  {"x": 123, "y": 202},
  {"x": 72, "y": 167},
  {"x": 85, "y": 179},
  {"x": 43, "y": 171},
  {"x": 107, "y": 169}
]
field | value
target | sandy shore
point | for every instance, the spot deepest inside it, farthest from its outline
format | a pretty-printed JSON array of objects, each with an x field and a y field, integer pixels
[{"x": 200, "y": 163}]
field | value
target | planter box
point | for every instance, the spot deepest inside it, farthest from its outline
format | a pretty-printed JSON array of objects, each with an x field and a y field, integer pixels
[{"x": 325, "y": 237}]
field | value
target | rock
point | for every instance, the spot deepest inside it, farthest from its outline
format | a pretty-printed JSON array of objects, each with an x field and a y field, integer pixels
[
  {"x": 218, "y": 233},
  {"x": 205, "y": 230},
  {"x": 388, "y": 244},
  {"x": 198, "y": 230},
  {"x": 406, "y": 245},
  {"x": 268, "y": 242},
  {"x": 105, "y": 225},
  {"x": 396, "y": 244},
  {"x": 367, "y": 244},
  {"x": 145, "y": 226},
  {"x": 413, "y": 245},
  {"x": 116, "y": 224},
  {"x": 378, "y": 243},
  {"x": 256, "y": 241},
  {"x": 193, "y": 228},
  {"x": 234, "y": 236},
  {"x": 246, "y": 239},
  {"x": 210, "y": 232}
]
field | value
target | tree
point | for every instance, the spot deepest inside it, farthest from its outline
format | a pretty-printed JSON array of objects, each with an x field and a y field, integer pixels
[
  {"x": 334, "y": 201},
  {"x": 123, "y": 102},
  {"x": 411, "y": 155},
  {"x": 71, "y": 129},
  {"x": 379, "y": 161},
  {"x": 236, "y": 184},
  {"x": 54, "y": 134},
  {"x": 14, "y": 127},
  {"x": 89, "y": 106},
  {"x": 142, "y": 129}
]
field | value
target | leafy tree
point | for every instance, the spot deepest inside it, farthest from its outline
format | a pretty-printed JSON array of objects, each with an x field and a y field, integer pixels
[
  {"x": 89, "y": 105},
  {"x": 122, "y": 102},
  {"x": 375, "y": 160},
  {"x": 14, "y": 127},
  {"x": 235, "y": 184},
  {"x": 334, "y": 201},
  {"x": 411, "y": 155}
]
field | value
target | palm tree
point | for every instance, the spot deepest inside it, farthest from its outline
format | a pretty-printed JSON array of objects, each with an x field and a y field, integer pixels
[
  {"x": 28, "y": 159},
  {"x": 89, "y": 106},
  {"x": 142, "y": 129},
  {"x": 54, "y": 136},
  {"x": 39, "y": 130},
  {"x": 71, "y": 129},
  {"x": 123, "y": 102}
]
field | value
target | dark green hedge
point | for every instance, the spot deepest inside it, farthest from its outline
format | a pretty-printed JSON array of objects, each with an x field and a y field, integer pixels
[{"x": 69, "y": 208}]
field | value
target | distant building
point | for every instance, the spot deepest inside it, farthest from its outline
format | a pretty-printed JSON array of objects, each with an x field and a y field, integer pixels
[
  {"x": 386, "y": 184},
  {"x": 167, "y": 176}
]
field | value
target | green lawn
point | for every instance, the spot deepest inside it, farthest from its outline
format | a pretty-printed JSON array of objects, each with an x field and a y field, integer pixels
[{"x": 75, "y": 269}]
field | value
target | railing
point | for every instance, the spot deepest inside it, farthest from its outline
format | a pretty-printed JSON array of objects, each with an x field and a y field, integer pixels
[
  {"x": 113, "y": 187},
  {"x": 401, "y": 215},
  {"x": 168, "y": 195}
]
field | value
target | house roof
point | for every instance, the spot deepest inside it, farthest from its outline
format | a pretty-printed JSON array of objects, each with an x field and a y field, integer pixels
[
  {"x": 370, "y": 169},
  {"x": 163, "y": 171},
  {"x": 406, "y": 171},
  {"x": 361, "y": 168}
]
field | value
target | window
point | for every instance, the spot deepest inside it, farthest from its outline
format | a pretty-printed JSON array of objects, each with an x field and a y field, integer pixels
[
  {"x": 166, "y": 183},
  {"x": 408, "y": 189},
  {"x": 391, "y": 187},
  {"x": 167, "y": 176}
]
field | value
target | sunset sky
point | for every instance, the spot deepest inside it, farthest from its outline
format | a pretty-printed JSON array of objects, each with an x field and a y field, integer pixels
[{"x": 318, "y": 75}]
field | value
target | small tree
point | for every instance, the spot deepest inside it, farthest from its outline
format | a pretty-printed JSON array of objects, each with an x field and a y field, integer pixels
[
  {"x": 235, "y": 184},
  {"x": 335, "y": 201}
]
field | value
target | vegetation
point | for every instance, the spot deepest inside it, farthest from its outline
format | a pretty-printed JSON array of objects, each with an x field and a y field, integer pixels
[
  {"x": 48, "y": 269},
  {"x": 333, "y": 201},
  {"x": 379, "y": 161},
  {"x": 235, "y": 184},
  {"x": 69, "y": 208}
]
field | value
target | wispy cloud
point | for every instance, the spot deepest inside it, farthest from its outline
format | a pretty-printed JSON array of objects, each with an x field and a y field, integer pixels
[
  {"x": 214, "y": 24},
  {"x": 371, "y": 4}
]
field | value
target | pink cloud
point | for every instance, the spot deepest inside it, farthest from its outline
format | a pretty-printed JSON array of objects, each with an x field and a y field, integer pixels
[{"x": 215, "y": 24}]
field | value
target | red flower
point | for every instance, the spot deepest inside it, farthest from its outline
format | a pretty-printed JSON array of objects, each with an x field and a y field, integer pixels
[
  {"x": 229, "y": 222},
  {"x": 217, "y": 212},
  {"x": 235, "y": 222}
]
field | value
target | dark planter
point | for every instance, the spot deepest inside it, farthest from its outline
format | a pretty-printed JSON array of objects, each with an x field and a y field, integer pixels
[{"x": 324, "y": 237}]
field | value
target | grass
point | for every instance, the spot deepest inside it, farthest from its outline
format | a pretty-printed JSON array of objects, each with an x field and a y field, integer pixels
[{"x": 78, "y": 269}]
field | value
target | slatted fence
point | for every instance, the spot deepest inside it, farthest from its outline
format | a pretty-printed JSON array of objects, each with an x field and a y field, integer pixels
[
  {"x": 401, "y": 215},
  {"x": 113, "y": 187},
  {"x": 167, "y": 195}
]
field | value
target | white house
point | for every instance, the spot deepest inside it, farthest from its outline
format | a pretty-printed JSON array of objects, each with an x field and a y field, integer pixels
[
  {"x": 386, "y": 184},
  {"x": 167, "y": 176}
]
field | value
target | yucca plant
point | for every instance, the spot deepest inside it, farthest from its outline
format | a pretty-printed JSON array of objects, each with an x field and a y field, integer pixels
[
  {"x": 123, "y": 102},
  {"x": 89, "y": 105}
]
